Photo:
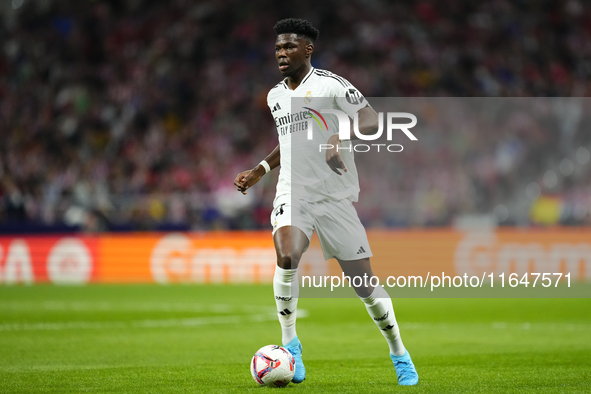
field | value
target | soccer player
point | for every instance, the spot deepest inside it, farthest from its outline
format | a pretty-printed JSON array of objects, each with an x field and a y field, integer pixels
[{"x": 327, "y": 184}]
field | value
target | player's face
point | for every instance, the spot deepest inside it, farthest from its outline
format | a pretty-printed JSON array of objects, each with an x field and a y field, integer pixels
[{"x": 291, "y": 53}]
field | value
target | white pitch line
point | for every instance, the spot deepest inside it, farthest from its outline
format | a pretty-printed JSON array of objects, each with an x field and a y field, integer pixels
[
  {"x": 131, "y": 306},
  {"x": 498, "y": 326},
  {"x": 150, "y": 323}
]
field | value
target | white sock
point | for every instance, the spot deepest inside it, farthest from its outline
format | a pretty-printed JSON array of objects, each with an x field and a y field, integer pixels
[
  {"x": 379, "y": 306},
  {"x": 283, "y": 280}
]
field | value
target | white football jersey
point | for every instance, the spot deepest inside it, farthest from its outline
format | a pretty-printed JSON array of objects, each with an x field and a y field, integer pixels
[{"x": 304, "y": 173}]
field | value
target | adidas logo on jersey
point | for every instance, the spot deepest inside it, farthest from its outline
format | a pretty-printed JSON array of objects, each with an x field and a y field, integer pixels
[
  {"x": 361, "y": 250},
  {"x": 276, "y": 107}
]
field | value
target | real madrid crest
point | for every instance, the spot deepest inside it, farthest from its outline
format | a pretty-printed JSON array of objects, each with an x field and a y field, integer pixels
[{"x": 308, "y": 97}]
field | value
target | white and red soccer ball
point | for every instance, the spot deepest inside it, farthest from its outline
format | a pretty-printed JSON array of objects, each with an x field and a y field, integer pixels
[{"x": 272, "y": 366}]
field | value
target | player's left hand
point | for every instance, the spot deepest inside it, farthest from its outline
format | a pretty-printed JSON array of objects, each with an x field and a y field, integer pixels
[{"x": 333, "y": 156}]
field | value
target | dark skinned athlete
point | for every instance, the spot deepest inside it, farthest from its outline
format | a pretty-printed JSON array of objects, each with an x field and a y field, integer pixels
[{"x": 294, "y": 47}]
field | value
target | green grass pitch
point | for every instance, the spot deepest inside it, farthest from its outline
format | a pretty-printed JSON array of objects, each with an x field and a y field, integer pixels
[{"x": 200, "y": 339}]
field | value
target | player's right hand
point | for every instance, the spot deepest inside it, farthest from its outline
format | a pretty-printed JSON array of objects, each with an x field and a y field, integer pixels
[{"x": 246, "y": 179}]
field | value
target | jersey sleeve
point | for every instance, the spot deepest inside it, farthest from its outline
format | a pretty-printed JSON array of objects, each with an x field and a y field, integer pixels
[
  {"x": 269, "y": 100},
  {"x": 348, "y": 98}
]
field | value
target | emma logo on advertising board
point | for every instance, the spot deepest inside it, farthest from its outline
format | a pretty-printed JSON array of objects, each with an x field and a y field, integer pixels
[
  {"x": 485, "y": 251},
  {"x": 177, "y": 257},
  {"x": 345, "y": 129}
]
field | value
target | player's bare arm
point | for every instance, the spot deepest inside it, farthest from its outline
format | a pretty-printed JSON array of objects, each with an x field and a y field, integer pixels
[
  {"x": 246, "y": 179},
  {"x": 368, "y": 124},
  {"x": 293, "y": 58}
]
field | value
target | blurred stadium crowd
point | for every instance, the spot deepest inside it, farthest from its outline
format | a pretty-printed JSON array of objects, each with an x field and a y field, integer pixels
[{"x": 138, "y": 114}]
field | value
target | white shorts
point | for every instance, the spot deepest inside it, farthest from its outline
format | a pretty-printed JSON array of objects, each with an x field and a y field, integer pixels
[{"x": 339, "y": 229}]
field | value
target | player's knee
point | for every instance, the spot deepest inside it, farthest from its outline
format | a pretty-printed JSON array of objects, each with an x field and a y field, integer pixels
[
  {"x": 288, "y": 261},
  {"x": 364, "y": 292}
]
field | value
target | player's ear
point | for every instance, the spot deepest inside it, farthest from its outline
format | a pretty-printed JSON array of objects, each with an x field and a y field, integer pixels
[{"x": 309, "y": 49}]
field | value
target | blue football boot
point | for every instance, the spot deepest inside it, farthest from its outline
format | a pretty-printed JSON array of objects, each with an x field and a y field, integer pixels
[
  {"x": 405, "y": 370},
  {"x": 295, "y": 348}
]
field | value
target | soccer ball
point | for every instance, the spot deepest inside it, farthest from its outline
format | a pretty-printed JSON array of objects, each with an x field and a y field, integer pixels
[{"x": 272, "y": 366}]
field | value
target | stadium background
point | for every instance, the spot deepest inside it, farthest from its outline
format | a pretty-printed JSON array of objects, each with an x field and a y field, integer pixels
[
  {"x": 137, "y": 115},
  {"x": 124, "y": 123},
  {"x": 119, "y": 117}
]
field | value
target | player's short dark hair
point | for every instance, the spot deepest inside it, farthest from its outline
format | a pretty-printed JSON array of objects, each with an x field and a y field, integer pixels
[{"x": 300, "y": 27}]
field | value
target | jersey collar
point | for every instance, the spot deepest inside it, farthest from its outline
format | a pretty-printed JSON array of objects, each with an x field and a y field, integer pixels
[{"x": 303, "y": 80}]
